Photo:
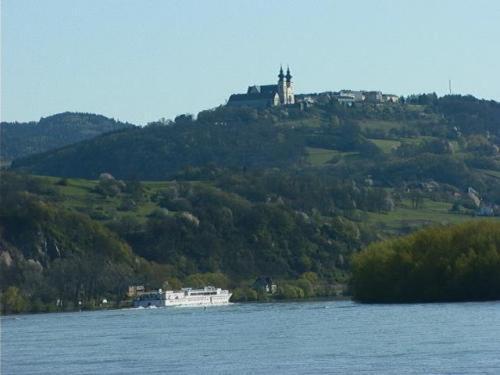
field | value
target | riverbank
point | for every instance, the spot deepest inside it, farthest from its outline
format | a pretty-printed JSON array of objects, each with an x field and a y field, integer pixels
[{"x": 129, "y": 305}]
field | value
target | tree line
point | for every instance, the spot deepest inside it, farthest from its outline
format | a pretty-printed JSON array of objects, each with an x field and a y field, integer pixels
[{"x": 448, "y": 263}]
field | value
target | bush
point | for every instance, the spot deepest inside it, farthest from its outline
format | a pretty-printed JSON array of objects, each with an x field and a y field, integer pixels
[
  {"x": 200, "y": 280},
  {"x": 306, "y": 286},
  {"x": 13, "y": 302},
  {"x": 62, "y": 182},
  {"x": 245, "y": 294},
  {"x": 289, "y": 291}
]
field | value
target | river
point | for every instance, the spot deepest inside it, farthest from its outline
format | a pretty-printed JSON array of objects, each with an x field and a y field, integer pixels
[{"x": 320, "y": 337}]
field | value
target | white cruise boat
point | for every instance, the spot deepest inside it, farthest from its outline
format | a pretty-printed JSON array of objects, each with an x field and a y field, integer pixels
[{"x": 207, "y": 296}]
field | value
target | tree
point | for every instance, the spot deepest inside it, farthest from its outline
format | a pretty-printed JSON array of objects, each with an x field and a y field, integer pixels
[{"x": 13, "y": 301}]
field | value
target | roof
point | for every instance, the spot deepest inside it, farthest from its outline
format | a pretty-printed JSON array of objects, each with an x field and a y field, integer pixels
[
  {"x": 264, "y": 89},
  {"x": 256, "y": 96},
  {"x": 267, "y": 89}
]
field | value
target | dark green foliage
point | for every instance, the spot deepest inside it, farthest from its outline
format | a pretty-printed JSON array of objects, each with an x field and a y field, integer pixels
[
  {"x": 304, "y": 190},
  {"x": 51, "y": 254},
  {"x": 243, "y": 199},
  {"x": 224, "y": 232},
  {"x": 204, "y": 235},
  {"x": 22, "y": 139},
  {"x": 442, "y": 168},
  {"x": 470, "y": 114},
  {"x": 244, "y": 294},
  {"x": 246, "y": 139},
  {"x": 159, "y": 152},
  {"x": 458, "y": 263}
]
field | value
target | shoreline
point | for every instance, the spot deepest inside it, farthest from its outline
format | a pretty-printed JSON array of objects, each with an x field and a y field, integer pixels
[
  {"x": 292, "y": 300},
  {"x": 275, "y": 301}
]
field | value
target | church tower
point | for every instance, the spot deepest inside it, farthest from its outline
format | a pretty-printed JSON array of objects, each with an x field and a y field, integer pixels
[
  {"x": 290, "y": 98},
  {"x": 281, "y": 87}
]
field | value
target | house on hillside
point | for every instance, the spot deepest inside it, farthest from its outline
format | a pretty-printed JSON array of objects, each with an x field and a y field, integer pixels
[
  {"x": 134, "y": 290},
  {"x": 358, "y": 96},
  {"x": 373, "y": 96},
  {"x": 346, "y": 99},
  {"x": 265, "y": 284},
  {"x": 390, "y": 98}
]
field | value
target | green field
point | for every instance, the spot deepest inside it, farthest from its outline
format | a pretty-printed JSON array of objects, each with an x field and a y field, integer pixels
[
  {"x": 320, "y": 156},
  {"x": 386, "y": 145},
  {"x": 490, "y": 172},
  {"x": 79, "y": 195},
  {"x": 381, "y": 125},
  {"x": 404, "y": 217}
]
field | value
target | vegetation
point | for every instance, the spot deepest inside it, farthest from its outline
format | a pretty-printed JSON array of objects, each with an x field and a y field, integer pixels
[
  {"x": 457, "y": 263},
  {"x": 237, "y": 194},
  {"x": 450, "y": 140},
  {"x": 22, "y": 139},
  {"x": 51, "y": 254},
  {"x": 183, "y": 233}
]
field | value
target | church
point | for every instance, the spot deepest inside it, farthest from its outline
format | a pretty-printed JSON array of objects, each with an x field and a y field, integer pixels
[{"x": 266, "y": 95}]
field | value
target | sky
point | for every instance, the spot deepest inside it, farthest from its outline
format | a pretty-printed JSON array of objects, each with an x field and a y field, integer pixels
[{"x": 142, "y": 60}]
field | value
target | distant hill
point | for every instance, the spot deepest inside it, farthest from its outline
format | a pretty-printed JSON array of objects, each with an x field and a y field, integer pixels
[
  {"x": 160, "y": 151},
  {"x": 22, "y": 139}
]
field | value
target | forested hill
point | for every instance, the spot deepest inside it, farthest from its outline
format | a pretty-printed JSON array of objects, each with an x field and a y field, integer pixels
[
  {"x": 452, "y": 140},
  {"x": 159, "y": 152},
  {"x": 239, "y": 194},
  {"x": 22, "y": 139}
]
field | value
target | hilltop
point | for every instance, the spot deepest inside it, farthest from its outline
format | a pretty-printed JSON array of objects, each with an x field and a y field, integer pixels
[
  {"x": 451, "y": 141},
  {"x": 22, "y": 139}
]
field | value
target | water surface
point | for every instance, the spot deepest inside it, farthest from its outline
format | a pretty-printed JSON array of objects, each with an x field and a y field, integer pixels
[{"x": 338, "y": 337}]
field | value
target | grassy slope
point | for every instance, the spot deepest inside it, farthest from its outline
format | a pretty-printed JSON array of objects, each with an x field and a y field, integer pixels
[
  {"x": 386, "y": 145},
  {"x": 79, "y": 196},
  {"x": 404, "y": 217},
  {"x": 490, "y": 173},
  {"x": 319, "y": 156}
]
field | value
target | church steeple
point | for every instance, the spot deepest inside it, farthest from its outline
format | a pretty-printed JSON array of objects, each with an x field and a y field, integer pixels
[
  {"x": 281, "y": 75},
  {"x": 288, "y": 75}
]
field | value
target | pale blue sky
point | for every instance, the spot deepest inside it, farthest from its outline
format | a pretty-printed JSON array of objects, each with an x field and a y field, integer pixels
[{"x": 142, "y": 60}]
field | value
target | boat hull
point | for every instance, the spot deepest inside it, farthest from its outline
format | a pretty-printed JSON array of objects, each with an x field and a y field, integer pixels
[{"x": 186, "y": 297}]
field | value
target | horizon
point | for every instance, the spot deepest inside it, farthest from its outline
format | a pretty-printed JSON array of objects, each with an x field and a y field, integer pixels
[
  {"x": 139, "y": 63},
  {"x": 205, "y": 109}
]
